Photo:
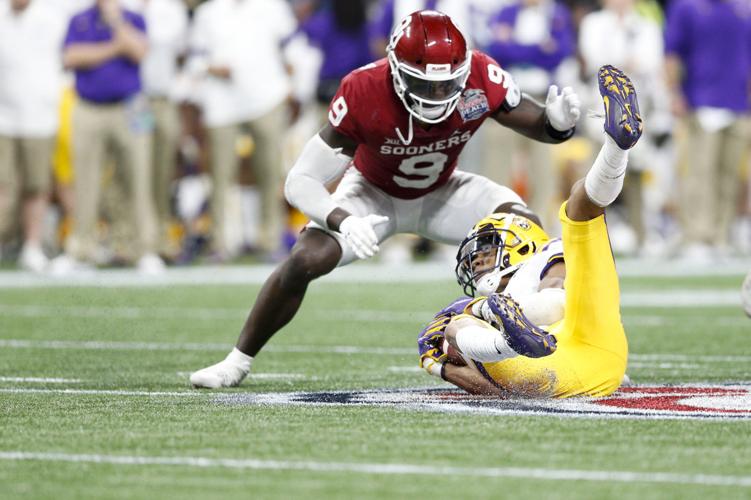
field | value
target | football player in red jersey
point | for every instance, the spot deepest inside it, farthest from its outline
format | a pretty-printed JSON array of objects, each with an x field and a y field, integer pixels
[{"x": 396, "y": 128}]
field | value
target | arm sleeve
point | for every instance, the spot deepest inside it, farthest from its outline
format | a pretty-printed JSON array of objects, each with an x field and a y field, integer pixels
[
  {"x": 70, "y": 33},
  {"x": 305, "y": 188}
]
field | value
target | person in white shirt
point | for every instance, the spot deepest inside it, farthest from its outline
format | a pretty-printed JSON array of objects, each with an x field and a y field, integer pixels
[
  {"x": 621, "y": 36},
  {"x": 167, "y": 22},
  {"x": 236, "y": 48},
  {"x": 31, "y": 35}
]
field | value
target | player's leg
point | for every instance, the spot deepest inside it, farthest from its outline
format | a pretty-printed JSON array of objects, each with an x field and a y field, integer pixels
[
  {"x": 592, "y": 311},
  {"x": 317, "y": 252}
]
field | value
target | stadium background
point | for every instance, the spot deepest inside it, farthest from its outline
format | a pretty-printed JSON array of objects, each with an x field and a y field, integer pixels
[{"x": 652, "y": 220}]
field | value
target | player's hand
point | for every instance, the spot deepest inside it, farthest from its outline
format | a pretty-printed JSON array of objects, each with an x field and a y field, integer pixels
[
  {"x": 358, "y": 232},
  {"x": 430, "y": 347},
  {"x": 563, "y": 110}
]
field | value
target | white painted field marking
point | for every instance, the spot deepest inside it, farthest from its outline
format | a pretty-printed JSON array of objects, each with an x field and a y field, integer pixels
[
  {"x": 357, "y": 273},
  {"x": 391, "y": 469},
  {"x": 663, "y": 366},
  {"x": 41, "y": 380},
  {"x": 202, "y": 313},
  {"x": 97, "y": 392},
  {"x": 304, "y": 349},
  {"x": 407, "y": 369}
]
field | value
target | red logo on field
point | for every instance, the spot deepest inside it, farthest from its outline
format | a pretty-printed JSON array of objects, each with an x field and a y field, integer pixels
[{"x": 688, "y": 400}]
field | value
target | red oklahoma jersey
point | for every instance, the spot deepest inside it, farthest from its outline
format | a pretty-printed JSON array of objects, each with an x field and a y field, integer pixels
[{"x": 367, "y": 109}]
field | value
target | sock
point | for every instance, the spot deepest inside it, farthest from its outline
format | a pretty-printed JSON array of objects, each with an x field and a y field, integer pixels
[
  {"x": 483, "y": 344},
  {"x": 239, "y": 359},
  {"x": 604, "y": 180}
]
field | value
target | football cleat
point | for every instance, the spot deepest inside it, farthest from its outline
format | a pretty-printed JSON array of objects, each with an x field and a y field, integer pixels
[
  {"x": 622, "y": 119},
  {"x": 521, "y": 335},
  {"x": 746, "y": 295},
  {"x": 222, "y": 374}
]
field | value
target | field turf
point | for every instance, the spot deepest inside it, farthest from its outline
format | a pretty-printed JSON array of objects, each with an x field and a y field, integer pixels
[{"x": 95, "y": 400}]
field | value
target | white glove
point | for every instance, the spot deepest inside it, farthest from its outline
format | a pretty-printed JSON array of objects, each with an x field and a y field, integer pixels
[
  {"x": 564, "y": 109},
  {"x": 359, "y": 234}
]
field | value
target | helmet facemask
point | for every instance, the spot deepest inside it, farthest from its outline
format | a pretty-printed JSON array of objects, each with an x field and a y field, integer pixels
[
  {"x": 495, "y": 249},
  {"x": 432, "y": 95}
]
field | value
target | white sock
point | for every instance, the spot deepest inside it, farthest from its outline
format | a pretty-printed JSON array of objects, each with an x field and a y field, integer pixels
[
  {"x": 239, "y": 359},
  {"x": 604, "y": 180},
  {"x": 483, "y": 344}
]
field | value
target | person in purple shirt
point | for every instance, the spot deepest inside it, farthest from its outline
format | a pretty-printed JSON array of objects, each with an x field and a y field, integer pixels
[
  {"x": 104, "y": 46},
  {"x": 340, "y": 32},
  {"x": 708, "y": 59},
  {"x": 530, "y": 39}
]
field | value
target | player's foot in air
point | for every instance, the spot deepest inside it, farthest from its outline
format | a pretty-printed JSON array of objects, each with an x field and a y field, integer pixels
[
  {"x": 229, "y": 372},
  {"x": 521, "y": 335},
  {"x": 622, "y": 119},
  {"x": 746, "y": 295}
]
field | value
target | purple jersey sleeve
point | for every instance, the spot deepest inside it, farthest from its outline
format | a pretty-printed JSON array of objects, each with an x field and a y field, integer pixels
[
  {"x": 456, "y": 307},
  {"x": 381, "y": 27},
  {"x": 677, "y": 28},
  {"x": 547, "y": 56}
]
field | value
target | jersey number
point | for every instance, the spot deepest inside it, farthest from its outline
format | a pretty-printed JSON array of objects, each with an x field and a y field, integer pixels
[
  {"x": 338, "y": 111},
  {"x": 429, "y": 165}
]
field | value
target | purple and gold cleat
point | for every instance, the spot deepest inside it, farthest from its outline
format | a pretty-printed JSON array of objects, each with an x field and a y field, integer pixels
[
  {"x": 622, "y": 119},
  {"x": 522, "y": 336}
]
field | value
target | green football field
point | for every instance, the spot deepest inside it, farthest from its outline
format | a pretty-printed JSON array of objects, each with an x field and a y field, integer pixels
[{"x": 95, "y": 400}]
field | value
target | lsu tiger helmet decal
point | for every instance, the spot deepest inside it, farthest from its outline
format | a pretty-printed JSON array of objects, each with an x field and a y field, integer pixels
[{"x": 495, "y": 247}]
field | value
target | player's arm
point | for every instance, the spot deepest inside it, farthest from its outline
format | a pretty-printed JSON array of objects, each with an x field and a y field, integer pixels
[
  {"x": 324, "y": 159},
  {"x": 552, "y": 123},
  {"x": 470, "y": 380},
  {"x": 548, "y": 304},
  {"x": 554, "y": 277}
]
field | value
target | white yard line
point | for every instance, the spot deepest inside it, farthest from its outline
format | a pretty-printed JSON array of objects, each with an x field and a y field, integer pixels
[
  {"x": 41, "y": 380},
  {"x": 357, "y": 273},
  {"x": 101, "y": 392},
  {"x": 548, "y": 474},
  {"x": 305, "y": 349}
]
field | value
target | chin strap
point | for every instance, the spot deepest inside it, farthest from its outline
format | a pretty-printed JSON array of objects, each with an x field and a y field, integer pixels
[{"x": 410, "y": 135}]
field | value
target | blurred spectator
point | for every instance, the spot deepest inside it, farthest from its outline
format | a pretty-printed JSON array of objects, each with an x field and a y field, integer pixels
[
  {"x": 531, "y": 38},
  {"x": 708, "y": 52},
  {"x": 31, "y": 34},
  {"x": 167, "y": 22},
  {"x": 236, "y": 46},
  {"x": 619, "y": 35},
  {"x": 340, "y": 32},
  {"x": 104, "y": 46}
]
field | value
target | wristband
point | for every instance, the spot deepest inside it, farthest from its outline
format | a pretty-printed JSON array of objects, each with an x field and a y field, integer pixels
[{"x": 557, "y": 134}]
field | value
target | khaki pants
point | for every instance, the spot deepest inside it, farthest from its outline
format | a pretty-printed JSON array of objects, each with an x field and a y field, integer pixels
[
  {"x": 164, "y": 157},
  {"x": 98, "y": 130},
  {"x": 267, "y": 133},
  {"x": 710, "y": 181},
  {"x": 25, "y": 170},
  {"x": 505, "y": 150}
]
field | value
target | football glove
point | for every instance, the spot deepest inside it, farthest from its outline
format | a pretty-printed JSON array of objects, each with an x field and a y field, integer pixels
[
  {"x": 563, "y": 110},
  {"x": 430, "y": 347},
  {"x": 358, "y": 232}
]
